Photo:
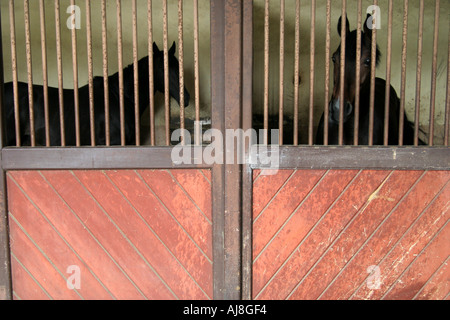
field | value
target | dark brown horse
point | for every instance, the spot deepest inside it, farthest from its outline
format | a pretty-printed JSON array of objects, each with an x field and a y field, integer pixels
[
  {"x": 364, "y": 99},
  {"x": 99, "y": 105}
]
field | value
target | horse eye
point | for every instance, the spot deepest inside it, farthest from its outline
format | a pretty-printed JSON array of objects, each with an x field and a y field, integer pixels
[
  {"x": 367, "y": 62},
  {"x": 334, "y": 59}
]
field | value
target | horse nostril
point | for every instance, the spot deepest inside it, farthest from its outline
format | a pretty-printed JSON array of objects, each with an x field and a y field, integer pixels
[
  {"x": 348, "y": 109},
  {"x": 333, "y": 108}
]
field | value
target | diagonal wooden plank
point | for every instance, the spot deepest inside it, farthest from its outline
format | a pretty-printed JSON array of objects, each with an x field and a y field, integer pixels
[
  {"x": 197, "y": 187},
  {"x": 423, "y": 266},
  {"x": 51, "y": 243},
  {"x": 299, "y": 223},
  {"x": 386, "y": 235},
  {"x": 42, "y": 271},
  {"x": 141, "y": 239},
  {"x": 409, "y": 246},
  {"x": 207, "y": 174},
  {"x": 438, "y": 285},
  {"x": 105, "y": 229},
  {"x": 63, "y": 219},
  {"x": 176, "y": 201},
  {"x": 306, "y": 254},
  {"x": 25, "y": 287},
  {"x": 380, "y": 203},
  {"x": 266, "y": 187},
  {"x": 256, "y": 174},
  {"x": 166, "y": 228},
  {"x": 282, "y": 206}
]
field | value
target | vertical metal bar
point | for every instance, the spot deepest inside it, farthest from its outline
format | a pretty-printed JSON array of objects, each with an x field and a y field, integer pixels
[
  {"x": 44, "y": 71},
  {"x": 12, "y": 27},
  {"x": 358, "y": 74},
  {"x": 296, "y": 70},
  {"x": 312, "y": 72},
  {"x": 6, "y": 292},
  {"x": 150, "y": 72},
  {"x": 388, "y": 74},
  {"x": 373, "y": 71},
  {"x": 120, "y": 66},
  {"x": 90, "y": 71},
  {"x": 105, "y": 74},
  {"x": 247, "y": 173},
  {"x": 197, "y": 132},
  {"x": 26, "y": 11},
  {"x": 75, "y": 81},
  {"x": 233, "y": 176},
  {"x": 227, "y": 90},
  {"x": 217, "y": 122},
  {"x": 266, "y": 68},
  {"x": 419, "y": 73},
  {"x": 403, "y": 73},
  {"x": 434, "y": 72},
  {"x": 166, "y": 73},
  {"x": 60, "y": 70},
  {"x": 326, "y": 113},
  {"x": 342, "y": 71},
  {"x": 137, "y": 122},
  {"x": 5, "y": 257},
  {"x": 281, "y": 98},
  {"x": 447, "y": 103},
  {"x": 181, "y": 67}
]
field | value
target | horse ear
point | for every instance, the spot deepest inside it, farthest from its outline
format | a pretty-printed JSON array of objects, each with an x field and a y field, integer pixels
[
  {"x": 367, "y": 30},
  {"x": 155, "y": 47},
  {"x": 347, "y": 27},
  {"x": 172, "y": 49}
]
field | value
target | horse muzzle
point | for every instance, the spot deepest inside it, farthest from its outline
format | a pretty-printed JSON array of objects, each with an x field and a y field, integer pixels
[{"x": 334, "y": 110}]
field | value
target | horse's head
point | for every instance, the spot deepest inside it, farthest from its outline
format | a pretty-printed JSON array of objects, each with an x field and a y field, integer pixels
[
  {"x": 350, "y": 69},
  {"x": 174, "y": 74}
]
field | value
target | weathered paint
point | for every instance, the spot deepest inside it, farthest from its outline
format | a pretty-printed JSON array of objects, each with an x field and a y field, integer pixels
[
  {"x": 368, "y": 234},
  {"x": 134, "y": 234}
]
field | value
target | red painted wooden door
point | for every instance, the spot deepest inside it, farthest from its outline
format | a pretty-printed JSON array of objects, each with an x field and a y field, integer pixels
[
  {"x": 351, "y": 235},
  {"x": 131, "y": 234}
]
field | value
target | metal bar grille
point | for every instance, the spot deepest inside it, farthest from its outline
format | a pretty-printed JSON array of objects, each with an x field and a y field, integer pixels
[
  {"x": 150, "y": 72},
  {"x": 76, "y": 96},
  {"x": 358, "y": 73},
  {"x": 105, "y": 73},
  {"x": 388, "y": 75},
  {"x": 372, "y": 106},
  {"x": 433, "y": 73},
  {"x": 104, "y": 100},
  {"x": 60, "y": 76},
  {"x": 14, "y": 71},
  {"x": 29, "y": 71},
  {"x": 136, "y": 75},
  {"x": 287, "y": 104},
  {"x": 91, "y": 71},
  {"x": 311, "y": 71},
  {"x": 44, "y": 71},
  {"x": 342, "y": 71}
]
